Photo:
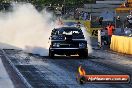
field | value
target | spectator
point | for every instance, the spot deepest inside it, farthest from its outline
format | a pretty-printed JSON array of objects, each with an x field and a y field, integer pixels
[
  {"x": 129, "y": 20},
  {"x": 110, "y": 29},
  {"x": 85, "y": 16},
  {"x": 126, "y": 4},
  {"x": 81, "y": 14},
  {"x": 100, "y": 21},
  {"x": 103, "y": 37},
  {"x": 118, "y": 22},
  {"x": 77, "y": 15},
  {"x": 88, "y": 16}
]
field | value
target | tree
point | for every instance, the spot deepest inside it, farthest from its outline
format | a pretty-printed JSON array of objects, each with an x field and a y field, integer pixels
[{"x": 66, "y": 2}]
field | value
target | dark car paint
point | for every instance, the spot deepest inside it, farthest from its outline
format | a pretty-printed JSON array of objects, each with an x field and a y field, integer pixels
[{"x": 68, "y": 44}]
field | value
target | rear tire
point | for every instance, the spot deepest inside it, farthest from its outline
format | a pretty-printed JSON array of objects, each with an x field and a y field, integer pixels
[{"x": 51, "y": 54}]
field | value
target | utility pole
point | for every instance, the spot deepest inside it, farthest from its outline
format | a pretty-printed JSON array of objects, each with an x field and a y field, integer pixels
[{"x": 64, "y": 6}]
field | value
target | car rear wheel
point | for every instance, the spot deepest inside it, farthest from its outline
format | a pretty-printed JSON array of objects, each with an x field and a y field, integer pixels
[{"x": 51, "y": 54}]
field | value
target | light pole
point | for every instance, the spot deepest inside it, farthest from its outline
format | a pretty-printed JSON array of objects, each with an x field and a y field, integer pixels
[{"x": 64, "y": 6}]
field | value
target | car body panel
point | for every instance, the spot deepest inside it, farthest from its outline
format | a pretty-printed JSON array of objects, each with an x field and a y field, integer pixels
[{"x": 69, "y": 43}]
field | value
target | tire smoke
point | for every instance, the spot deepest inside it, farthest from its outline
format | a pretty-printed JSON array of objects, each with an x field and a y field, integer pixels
[
  {"x": 87, "y": 37},
  {"x": 25, "y": 28}
]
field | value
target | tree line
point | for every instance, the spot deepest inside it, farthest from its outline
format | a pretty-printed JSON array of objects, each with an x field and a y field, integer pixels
[{"x": 54, "y": 2}]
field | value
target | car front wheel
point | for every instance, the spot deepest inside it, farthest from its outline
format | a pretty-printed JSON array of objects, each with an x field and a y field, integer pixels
[{"x": 51, "y": 54}]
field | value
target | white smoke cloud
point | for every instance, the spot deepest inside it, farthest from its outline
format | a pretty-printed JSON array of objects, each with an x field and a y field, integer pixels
[
  {"x": 87, "y": 37},
  {"x": 26, "y": 29}
]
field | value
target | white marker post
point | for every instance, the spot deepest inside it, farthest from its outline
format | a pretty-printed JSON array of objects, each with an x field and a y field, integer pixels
[{"x": 99, "y": 38}]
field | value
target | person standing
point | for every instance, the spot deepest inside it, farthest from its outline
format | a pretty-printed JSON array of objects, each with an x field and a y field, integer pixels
[
  {"x": 100, "y": 21},
  {"x": 85, "y": 16},
  {"x": 118, "y": 22},
  {"x": 101, "y": 37},
  {"x": 77, "y": 14},
  {"x": 110, "y": 28},
  {"x": 129, "y": 19}
]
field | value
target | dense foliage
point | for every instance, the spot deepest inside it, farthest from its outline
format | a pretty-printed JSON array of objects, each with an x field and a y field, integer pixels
[{"x": 55, "y": 2}]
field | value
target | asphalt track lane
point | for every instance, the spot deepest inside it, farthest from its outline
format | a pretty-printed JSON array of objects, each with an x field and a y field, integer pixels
[
  {"x": 92, "y": 67},
  {"x": 60, "y": 72}
]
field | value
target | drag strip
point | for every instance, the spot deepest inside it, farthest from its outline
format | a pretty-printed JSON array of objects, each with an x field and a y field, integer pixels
[
  {"x": 61, "y": 71},
  {"x": 14, "y": 73}
]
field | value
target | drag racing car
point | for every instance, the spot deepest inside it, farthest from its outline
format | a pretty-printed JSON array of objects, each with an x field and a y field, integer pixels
[{"x": 68, "y": 41}]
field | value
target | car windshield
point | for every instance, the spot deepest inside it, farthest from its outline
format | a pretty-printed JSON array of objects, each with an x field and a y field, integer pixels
[
  {"x": 70, "y": 31},
  {"x": 62, "y": 32}
]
